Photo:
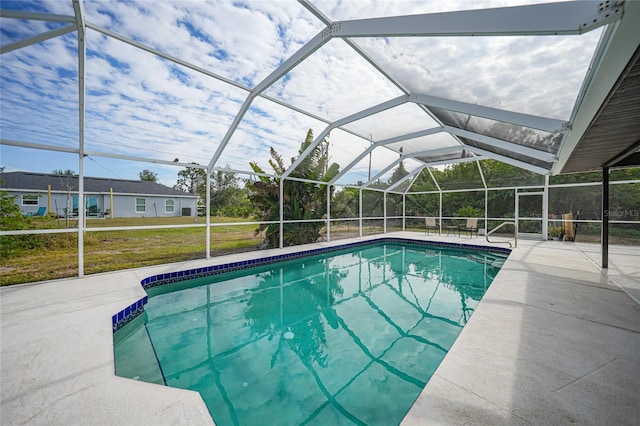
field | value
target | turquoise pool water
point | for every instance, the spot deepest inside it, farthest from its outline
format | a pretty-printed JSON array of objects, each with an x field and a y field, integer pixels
[{"x": 349, "y": 337}]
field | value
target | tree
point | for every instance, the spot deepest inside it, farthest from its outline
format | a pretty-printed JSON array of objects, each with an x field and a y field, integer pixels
[
  {"x": 301, "y": 200},
  {"x": 192, "y": 180},
  {"x": 148, "y": 176},
  {"x": 228, "y": 197},
  {"x": 61, "y": 172},
  {"x": 398, "y": 173},
  {"x": 69, "y": 185}
]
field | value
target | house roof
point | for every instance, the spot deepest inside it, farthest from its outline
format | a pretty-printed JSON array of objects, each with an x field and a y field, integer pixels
[
  {"x": 40, "y": 182},
  {"x": 616, "y": 127},
  {"x": 607, "y": 125}
]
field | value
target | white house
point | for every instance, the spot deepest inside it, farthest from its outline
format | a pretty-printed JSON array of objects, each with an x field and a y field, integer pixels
[{"x": 48, "y": 193}]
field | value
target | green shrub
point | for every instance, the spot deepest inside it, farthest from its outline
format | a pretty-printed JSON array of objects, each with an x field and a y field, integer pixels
[
  {"x": 469, "y": 211},
  {"x": 11, "y": 218},
  {"x": 556, "y": 231}
]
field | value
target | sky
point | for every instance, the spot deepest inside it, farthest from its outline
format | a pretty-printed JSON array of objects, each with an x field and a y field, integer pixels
[{"x": 141, "y": 105}]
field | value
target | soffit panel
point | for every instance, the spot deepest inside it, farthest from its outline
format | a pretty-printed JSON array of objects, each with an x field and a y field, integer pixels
[{"x": 616, "y": 126}]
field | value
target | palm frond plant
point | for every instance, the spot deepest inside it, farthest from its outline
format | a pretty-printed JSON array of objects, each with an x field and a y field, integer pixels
[{"x": 302, "y": 200}]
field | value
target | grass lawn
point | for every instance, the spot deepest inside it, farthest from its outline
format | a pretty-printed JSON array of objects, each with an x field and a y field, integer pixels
[
  {"x": 115, "y": 250},
  {"x": 111, "y": 250}
]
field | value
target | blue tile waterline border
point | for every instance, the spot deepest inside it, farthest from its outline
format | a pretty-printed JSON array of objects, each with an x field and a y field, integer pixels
[{"x": 128, "y": 314}]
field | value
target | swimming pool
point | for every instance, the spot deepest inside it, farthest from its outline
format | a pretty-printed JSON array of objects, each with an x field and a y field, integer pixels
[{"x": 346, "y": 337}]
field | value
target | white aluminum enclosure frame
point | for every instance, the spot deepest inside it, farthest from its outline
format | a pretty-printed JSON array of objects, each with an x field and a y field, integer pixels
[{"x": 565, "y": 18}]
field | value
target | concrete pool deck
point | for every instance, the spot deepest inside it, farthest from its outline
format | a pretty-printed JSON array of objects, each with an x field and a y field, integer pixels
[{"x": 555, "y": 340}]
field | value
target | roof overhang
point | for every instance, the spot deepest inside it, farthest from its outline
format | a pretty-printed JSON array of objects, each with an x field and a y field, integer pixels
[{"x": 606, "y": 121}]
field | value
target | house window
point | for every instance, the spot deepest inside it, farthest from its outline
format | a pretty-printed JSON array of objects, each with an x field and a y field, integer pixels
[
  {"x": 141, "y": 205},
  {"x": 168, "y": 206},
  {"x": 30, "y": 200}
]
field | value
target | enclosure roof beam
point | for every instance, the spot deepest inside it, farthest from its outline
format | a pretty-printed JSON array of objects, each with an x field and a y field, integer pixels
[
  {"x": 484, "y": 182},
  {"x": 297, "y": 57},
  {"x": 436, "y": 151},
  {"x": 372, "y": 110},
  {"x": 382, "y": 143},
  {"x": 433, "y": 178},
  {"x": 165, "y": 56},
  {"x": 412, "y": 135},
  {"x": 204, "y": 71},
  {"x": 525, "y": 120},
  {"x": 456, "y": 161},
  {"x": 37, "y": 39},
  {"x": 502, "y": 144},
  {"x": 382, "y": 172},
  {"x": 144, "y": 160},
  {"x": 414, "y": 179},
  {"x": 566, "y": 18},
  {"x": 410, "y": 175},
  {"x": 35, "y": 16},
  {"x": 353, "y": 117},
  {"x": 54, "y": 148},
  {"x": 31, "y": 145},
  {"x": 355, "y": 161},
  {"x": 325, "y": 20},
  {"x": 508, "y": 160},
  {"x": 300, "y": 55}
]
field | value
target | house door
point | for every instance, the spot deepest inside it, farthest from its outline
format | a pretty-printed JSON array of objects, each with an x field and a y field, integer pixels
[{"x": 91, "y": 203}]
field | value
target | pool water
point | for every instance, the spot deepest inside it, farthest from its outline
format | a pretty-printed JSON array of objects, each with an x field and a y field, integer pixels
[{"x": 349, "y": 337}]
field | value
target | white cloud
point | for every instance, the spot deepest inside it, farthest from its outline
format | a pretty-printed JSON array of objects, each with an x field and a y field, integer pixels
[
  {"x": 334, "y": 82},
  {"x": 142, "y": 105}
]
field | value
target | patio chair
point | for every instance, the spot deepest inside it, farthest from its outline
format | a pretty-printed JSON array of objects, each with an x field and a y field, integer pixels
[
  {"x": 471, "y": 227},
  {"x": 40, "y": 212},
  {"x": 94, "y": 211},
  {"x": 429, "y": 224}
]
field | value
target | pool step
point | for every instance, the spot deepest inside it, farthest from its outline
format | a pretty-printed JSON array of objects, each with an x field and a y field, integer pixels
[{"x": 488, "y": 259}]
